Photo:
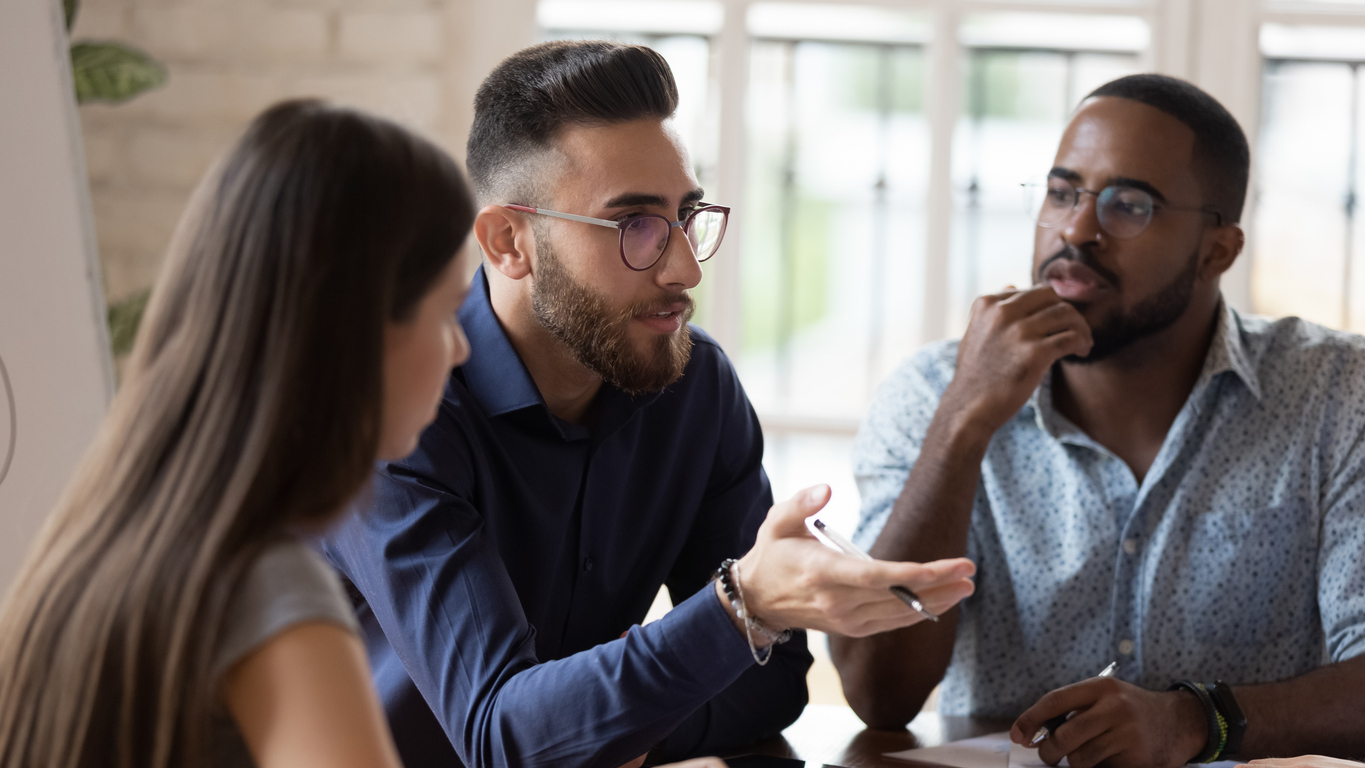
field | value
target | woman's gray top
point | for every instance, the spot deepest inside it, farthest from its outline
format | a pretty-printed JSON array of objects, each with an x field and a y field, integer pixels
[{"x": 289, "y": 584}]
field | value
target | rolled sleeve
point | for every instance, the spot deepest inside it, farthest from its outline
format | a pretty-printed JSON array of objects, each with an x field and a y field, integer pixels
[
  {"x": 890, "y": 436},
  {"x": 1341, "y": 559}
]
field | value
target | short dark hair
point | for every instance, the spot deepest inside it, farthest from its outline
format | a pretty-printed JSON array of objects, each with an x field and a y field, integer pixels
[
  {"x": 534, "y": 93},
  {"x": 1222, "y": 157}
]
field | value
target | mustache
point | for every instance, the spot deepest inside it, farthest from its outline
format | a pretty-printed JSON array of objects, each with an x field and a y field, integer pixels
[
  {"x": 1083, "y": 256},
  {"x": 660, "y": 303}
]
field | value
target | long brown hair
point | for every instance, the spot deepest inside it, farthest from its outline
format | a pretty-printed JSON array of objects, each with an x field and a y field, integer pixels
[{"x": 252, "y": 407}]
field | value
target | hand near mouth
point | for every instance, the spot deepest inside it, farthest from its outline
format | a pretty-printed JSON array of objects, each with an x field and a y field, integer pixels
[{"x": 1012, "y": 339}]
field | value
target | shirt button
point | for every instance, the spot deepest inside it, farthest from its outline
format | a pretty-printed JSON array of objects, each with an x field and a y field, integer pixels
[
  {"x": 1130, "y": 546},
  {"x": 587, "y": 563},
  {"x": 1126, "y": 647}
]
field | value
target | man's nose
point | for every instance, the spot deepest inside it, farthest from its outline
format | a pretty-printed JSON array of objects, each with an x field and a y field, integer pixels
[
  {"x": 1083, "y": 224},
  {"x": 678, "y": 268}
]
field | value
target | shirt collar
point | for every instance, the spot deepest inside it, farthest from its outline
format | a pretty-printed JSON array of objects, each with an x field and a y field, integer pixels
[
  {"x": 494, "y": 372},
  {"x": 1227, "y": 353}
]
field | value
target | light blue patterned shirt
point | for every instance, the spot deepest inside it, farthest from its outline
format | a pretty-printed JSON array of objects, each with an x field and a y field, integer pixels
[{"x": 1240, "y": 556}]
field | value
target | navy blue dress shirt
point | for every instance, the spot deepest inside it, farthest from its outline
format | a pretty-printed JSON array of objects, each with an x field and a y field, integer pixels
[{"x": 495, "y": 569}]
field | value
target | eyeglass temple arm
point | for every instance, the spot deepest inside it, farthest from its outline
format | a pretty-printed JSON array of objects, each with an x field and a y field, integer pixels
[{"x": 569, "y": 216}]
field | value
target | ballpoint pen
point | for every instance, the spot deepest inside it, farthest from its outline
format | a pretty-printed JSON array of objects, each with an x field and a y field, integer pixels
[
  {"x": 849, "y": 548},
  {"x": 1052, "y": 725}
]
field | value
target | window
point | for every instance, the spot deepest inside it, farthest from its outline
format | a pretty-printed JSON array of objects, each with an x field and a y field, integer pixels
[{"x": 1308, "y": 255}]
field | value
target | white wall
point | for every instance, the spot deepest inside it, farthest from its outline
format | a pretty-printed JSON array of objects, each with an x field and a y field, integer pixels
[{"x": 53, "y": 340}]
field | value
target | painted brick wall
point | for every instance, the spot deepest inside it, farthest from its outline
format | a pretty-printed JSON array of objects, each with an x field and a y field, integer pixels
[{"x": 416, "y": 61}]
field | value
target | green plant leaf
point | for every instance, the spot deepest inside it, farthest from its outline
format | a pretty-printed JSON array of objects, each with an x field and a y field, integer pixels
[
  {"x": 113, "y": 72},
  {"x": 124, "y": 318},
  {"x": 69, "y": 7}
]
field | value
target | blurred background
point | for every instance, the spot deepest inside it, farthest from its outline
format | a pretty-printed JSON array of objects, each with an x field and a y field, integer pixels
[{"x": 872, "y": 152}]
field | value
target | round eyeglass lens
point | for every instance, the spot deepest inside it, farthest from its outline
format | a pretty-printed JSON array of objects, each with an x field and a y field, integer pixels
[
  {"x": 643, "y": 240},
  {"x": 705, "y": 230},
  {"x": 1124, "y": 211},
  {"x": 1049, "y": 201}
]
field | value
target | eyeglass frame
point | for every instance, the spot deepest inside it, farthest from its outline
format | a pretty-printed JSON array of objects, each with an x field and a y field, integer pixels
[
  {"x": 617, "y": 225},
  {"x": 1218, "y": 216}
]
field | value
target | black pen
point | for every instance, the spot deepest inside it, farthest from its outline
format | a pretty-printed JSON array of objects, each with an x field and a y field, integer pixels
[
  {"x": 1052, "y": 725},
  {"x": 849, "y": 548}
]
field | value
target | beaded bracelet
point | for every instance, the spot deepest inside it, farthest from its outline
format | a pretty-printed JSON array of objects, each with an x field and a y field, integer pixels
[{"x": 728, "y": 573}]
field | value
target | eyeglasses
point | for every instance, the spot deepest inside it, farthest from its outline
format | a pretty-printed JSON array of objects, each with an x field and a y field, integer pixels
[
  {"x": 1124, "y": 212},
  {"x": 645, "y": 237}
]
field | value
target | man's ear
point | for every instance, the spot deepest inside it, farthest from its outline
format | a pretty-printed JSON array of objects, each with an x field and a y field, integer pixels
[
  {"x": 507, "y": 241},
  {"x": 1222, "y": 246}
]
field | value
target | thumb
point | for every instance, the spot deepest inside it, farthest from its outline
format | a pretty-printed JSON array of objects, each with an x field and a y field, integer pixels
[{"x": 788, "y": 519}]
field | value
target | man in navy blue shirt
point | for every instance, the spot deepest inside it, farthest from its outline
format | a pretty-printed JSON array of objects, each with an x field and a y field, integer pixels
[{"x": 593, "y": 448}]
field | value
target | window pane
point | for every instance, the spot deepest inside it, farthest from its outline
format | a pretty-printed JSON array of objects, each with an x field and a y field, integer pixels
[
  {"x": 834, "y": 222},
  {"x": 1304, "y": 201}
]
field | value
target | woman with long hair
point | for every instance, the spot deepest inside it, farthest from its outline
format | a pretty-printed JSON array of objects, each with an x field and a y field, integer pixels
[{"x": 303, "y": 327}]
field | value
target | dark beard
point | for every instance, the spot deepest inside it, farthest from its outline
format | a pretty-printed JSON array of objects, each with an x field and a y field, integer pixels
[
  {"x": 1151, "y": 316},
  {"x": 596, "y": 336}
]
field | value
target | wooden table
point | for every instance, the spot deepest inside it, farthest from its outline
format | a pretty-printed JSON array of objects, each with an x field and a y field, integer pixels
[{"x": 835, "y": 736}]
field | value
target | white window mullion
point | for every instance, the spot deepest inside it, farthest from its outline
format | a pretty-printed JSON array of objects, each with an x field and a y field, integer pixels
[
  {"x": 733, "y": 43},
  {"x": 942, "y": 105}
]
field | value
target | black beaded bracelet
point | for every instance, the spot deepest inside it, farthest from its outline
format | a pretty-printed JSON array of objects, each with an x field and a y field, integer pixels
[
  {"x": 734, "y": 592},
  {"x": 1217, "y": 736}
]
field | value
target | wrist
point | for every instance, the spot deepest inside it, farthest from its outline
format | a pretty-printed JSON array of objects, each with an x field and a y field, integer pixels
[
  {"x": 967, "y": 428},
  {"x": 729, "y": 607},
  {"x": 1196, "y": 731}
]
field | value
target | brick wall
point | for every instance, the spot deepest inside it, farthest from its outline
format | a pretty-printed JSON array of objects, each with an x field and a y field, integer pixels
[{"x": 417, "y": 61}]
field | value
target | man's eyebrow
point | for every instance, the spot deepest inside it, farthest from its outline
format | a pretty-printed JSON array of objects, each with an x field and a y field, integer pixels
[
  {"x": 1124, "y": 181},
  {"x": 645, "y": 199},
  {"x": 1116, "y": 181}
]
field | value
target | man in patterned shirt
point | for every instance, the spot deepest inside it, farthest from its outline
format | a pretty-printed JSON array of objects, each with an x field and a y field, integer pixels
[{"x": 1141, "y": 473}]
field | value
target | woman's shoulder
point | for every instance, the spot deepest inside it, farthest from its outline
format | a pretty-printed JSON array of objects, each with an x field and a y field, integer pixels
[{"x": 288, "y": 584}]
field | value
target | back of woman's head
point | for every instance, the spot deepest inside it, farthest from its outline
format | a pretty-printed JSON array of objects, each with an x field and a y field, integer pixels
[{"x": 251, "y": 406}]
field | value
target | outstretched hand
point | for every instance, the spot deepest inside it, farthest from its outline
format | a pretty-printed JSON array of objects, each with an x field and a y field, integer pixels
[{"x": 790, "y": 579}]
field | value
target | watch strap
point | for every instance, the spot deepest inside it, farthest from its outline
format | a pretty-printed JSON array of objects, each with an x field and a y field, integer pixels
[{"x": 1216, "y": 732}]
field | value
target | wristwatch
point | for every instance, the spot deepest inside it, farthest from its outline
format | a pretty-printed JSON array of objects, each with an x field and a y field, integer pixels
[{"x": 1221, "y": 693}]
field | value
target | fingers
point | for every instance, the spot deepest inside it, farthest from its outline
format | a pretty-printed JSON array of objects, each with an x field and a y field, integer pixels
[
  {"x": 1093, "y": 751},
  {"x": 700, "y": 762},
  {"x": 789, "y": 517},
  {"x": 1054, "y": 319},
  {"x": 1081, "y": 695},
  {"x": 1304, "y": 761},
  {"x": 1075, "y": 738},
  {"x": 883, "y": 574}
]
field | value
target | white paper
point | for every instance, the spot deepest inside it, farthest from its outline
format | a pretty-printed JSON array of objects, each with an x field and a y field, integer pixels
[
  {"x": 992, "y": 751},
  {"x": 996, "y": 751},
  {"x": 1024, "y": 757},
  {"x": 1027, "y": 757}
]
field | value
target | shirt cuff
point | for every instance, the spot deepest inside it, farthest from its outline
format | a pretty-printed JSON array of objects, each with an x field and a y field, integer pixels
[{"x": 699, "y": 633}]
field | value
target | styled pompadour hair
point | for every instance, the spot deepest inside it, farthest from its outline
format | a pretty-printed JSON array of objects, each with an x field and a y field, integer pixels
[
  {"x": 532, "y": 95},
  {"x": 1221, "y": 155}
]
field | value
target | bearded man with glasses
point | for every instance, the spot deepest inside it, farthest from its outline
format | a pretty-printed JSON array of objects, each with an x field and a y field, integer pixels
[
  {"x": 1142, "y": 474},
  {"x": 594, "y": 448}
]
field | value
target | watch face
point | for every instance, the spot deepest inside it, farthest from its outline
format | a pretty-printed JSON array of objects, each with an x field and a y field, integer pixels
[{"x": 1227, "y": 703}]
